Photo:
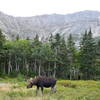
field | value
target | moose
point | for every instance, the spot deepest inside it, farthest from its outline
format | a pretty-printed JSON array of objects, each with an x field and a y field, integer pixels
[{"x": 42, "y": 82}]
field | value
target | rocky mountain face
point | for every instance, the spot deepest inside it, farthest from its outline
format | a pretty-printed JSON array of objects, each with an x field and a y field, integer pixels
[{"x": 44, "y": 25}]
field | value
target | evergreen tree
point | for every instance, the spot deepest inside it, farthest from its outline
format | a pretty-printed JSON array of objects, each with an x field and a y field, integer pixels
[
  {"x": 2, "y": 39},
  {"x": 55, "y": 45},
  {"x": 71, "y": 56},
  {"x": 97, "y": 68},
  {"x": 63, "y": 60},
  {"x": 36, "y": 47},
  {"x": 87, "y": 55},
  {"x": 17, "y": 37}
]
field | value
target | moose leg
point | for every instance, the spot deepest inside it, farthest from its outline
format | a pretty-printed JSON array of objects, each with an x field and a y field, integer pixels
[
  {"x": 37, "y": 90},
  {"x": 53, "y": 89},
  {"x": 42, "y": 90}
]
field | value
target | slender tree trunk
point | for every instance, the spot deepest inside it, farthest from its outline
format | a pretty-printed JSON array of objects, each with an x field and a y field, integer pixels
[
  {"x": 9, "y": 67},
  {"x": 39, "y": 73},
  {"x": 76, "y": 75},
  {"x": 4, "y": 68},
  {"x": 49, "y": 70},
  {"x": 70, "y": 77},
  {"x": 27, "y": 67},
  {"x": 16, "y": 66},
  {"x": 70, "y": 74},
  {"x": 35, "y": 66},
  {"x": 55, "y": 65},
  {"x": 74, "y": 72}
]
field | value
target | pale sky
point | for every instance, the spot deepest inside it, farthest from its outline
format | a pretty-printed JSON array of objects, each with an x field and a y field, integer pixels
[{"x": 39, "y": 7}]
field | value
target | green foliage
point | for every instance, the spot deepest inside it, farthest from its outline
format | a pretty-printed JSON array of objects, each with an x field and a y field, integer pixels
[
  {"x": 87, "y": 55},
  {"x": 83, "y": 90},
  {"x": 2, "y": 39},
  {"x": 54, "y": 57},
  {"x": 20, "y": 77},
  {"x": 13, "y": 73},
  {"x": 31, "y": 74}
]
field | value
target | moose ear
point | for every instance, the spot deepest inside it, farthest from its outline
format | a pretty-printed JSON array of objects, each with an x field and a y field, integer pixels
[{"x": 29, "y": 80}]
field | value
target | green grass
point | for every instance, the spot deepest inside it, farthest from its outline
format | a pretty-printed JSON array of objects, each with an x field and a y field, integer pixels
[{"x": 66, "y": 90}]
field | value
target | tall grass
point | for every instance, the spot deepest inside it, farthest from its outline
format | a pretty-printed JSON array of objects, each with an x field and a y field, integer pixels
[{"x": 66, "y": 90}]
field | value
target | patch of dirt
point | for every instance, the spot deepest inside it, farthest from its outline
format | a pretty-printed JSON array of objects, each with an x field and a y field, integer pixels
[{"x": 5, "y": 86}]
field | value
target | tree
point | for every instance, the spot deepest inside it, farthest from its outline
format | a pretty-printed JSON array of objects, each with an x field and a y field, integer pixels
[
  {"x": 17, "y": 37},
  {"x": 56, "y": 48},
  {"x": 63, "y": 59},
  {"x": 87, "y": 55},
  {"x": 55, "y": 42},
  {"x": 97, "y": 65},
  {"x": 2, "y": 41},
  {"x": 36, "y": 54},
  {"x": 71, "y": 56}
]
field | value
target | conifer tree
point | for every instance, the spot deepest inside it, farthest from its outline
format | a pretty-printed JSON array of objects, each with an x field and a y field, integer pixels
[
  {"x": 2, "y": 40},
  {"x": 97, "y": 68},
  {"x": 71, "y": 55},
  {"x": 87, "y": 55},
  {"x": 63, "y": 59}
]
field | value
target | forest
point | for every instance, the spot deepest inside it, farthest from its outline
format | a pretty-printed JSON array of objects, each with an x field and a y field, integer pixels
[{"x": 57, "y": 56}]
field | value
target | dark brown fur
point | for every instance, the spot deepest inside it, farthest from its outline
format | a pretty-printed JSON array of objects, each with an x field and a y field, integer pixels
[{"x": 42, "y": 82}]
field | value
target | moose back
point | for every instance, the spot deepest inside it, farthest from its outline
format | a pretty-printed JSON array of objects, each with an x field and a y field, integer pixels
[{"x": 42, "y": 82}]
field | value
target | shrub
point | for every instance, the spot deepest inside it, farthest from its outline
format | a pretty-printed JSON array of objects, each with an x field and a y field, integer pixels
[
  {"x": 13, "y": 73},
  {"x": 20, "y": 77},
  {"x": 68, "y": 84}
]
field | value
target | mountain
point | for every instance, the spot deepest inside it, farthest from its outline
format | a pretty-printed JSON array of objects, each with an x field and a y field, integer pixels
[{"x": 44, "y": 25}]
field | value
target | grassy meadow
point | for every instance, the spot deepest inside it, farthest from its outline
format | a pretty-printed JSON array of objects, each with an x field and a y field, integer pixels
[{"x": 15, "y": 89}]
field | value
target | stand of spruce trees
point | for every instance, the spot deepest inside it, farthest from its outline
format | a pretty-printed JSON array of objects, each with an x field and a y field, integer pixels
[{"x": 54, "y": 57}]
